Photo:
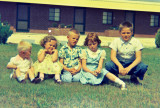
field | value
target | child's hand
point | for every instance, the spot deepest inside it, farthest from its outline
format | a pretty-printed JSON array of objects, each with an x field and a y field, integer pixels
[
  {"x": 73, "y": 71},
  {"x": 94, "y": 73},
  {"x": 98, "y": 71},
  {"x": 127, "y": 69},
  {"x": 122, "y": 71}
]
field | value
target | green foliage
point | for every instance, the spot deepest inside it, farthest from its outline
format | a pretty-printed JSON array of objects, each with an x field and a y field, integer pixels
[
  {"x": 157, "y": 39},
  {"x": 62, "y": 25},
  {"x": 69, "y": 26},
  {"x": 114, "y": 28},
  {"x": 5, "y": 32},
  {"x": 55, "y": 24}
]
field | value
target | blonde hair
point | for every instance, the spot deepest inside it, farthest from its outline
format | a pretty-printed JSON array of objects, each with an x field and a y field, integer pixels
[
  {"x": 73, "y": 30},
  {"x": 23, "y": 46},
  {"x": 92, "y": 37},
  {"x": 47, "y": 39},
  {"x": 126, "y": 24}
]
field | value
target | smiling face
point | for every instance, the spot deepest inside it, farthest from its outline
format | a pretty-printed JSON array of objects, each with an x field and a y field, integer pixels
[
  {"x": 126, "y": 34},
  {"x": 49, "y": 46},
  {"x": 93, "y": 45},
  {"x": 72, "y": 39}
]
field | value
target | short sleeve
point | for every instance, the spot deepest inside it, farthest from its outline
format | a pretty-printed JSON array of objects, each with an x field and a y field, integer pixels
[
  {"x": 138, "y": 45},
  {"x": 103, "y": 54},
  {"x": 12, "y": 61},
  {"x": 61, "y": 53},
  {"x": 84, "y": 55},
  {"x": 114, "y": 44}
]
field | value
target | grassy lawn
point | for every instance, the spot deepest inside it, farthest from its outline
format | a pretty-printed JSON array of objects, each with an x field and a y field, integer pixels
[{"x": 75, "y": 95}]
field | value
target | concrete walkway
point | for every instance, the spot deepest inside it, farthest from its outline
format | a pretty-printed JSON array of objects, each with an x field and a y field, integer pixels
[{"x": 35, "y": 38}]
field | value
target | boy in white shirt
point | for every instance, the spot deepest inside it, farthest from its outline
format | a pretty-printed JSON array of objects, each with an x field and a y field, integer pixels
[
  {"x": 126, "y": 55},
  {"x": 22, "y": 64}
]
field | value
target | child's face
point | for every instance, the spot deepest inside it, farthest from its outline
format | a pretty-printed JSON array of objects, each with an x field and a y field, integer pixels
[
  {"x": 49, "y": 46},
  {"x": 72, "y": 39},
  {"x": 126, "y": 34},
  {"x": 26, "y": 54},
  {"x": 93, "y": 46}
]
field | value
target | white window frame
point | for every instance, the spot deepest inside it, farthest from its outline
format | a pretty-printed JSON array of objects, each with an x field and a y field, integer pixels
[
  {"x": 54, "y": 14},
  {"x": 154, "y": 21},
  {"x": 107, "y": 18}
]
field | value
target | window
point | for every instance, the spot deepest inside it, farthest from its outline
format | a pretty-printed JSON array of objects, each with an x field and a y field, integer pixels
[
  {"x": 154, "y": 22},
  {"x": 54, "y": 14},
  {"x": 107, "y": 18}
]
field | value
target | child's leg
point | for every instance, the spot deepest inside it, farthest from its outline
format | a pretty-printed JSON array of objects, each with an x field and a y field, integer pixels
[
  {"x": 31, "y": 74},
  {"x": 20, "y": 77},
  {"x": 112, "y": 67},
  {"x": 76, "y": 77},
  {"x": 115, "y": 79},
  {"x": 66, "y": 76},
  {"x": 41, "y": 76}
]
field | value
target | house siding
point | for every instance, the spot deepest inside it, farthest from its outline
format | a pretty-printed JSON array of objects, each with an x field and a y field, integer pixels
[
  {"x": 39, "y": 18},
  {"x": 8, "y": 12}
]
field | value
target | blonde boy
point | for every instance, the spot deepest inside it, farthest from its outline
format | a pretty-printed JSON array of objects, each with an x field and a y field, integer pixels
[
  {"x": 22, "y": 64},
  {"x": 69, "y": 56},
  {"x": 126, "y": 55}
]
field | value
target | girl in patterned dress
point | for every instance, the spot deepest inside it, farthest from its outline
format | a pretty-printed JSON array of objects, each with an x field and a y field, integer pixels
[
  {"x": 47, "y": 62},
  {"x": 92, "y": 61}
]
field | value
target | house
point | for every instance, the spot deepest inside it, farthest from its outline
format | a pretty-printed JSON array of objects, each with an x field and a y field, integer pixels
[{"x": 85, "y": 15}]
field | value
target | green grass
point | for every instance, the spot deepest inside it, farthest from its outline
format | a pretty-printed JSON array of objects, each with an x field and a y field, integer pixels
[{"x": 76, "y": 95}]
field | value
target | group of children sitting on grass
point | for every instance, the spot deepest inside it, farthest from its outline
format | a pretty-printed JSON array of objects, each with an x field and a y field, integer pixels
[{"x": 73, "y": 64}]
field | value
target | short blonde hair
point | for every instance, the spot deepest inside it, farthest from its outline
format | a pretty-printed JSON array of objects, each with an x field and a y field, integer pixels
[
  {"x": 47, "y": 39},
  {"x": 74, "y": 31},
  {"x": 23, "y": 46},
  {"x": 126, "y": 24}
]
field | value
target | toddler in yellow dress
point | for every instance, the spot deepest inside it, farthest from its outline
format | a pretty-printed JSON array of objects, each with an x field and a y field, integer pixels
[{"x": 47, "y": 62}]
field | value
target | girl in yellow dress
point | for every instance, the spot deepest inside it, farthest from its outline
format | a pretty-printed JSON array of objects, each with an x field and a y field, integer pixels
[{"x": 47, "y": 62}]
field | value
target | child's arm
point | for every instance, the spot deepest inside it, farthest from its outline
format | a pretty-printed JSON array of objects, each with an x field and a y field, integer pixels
[
  {"x": 135, "y": 62},
  {"x": 42, "y": 55},
  {"x": 86, "y": 69},
  {"x": 115, "y": 60},
  {"x": 11, "y": 66},
  {"x": 55, "y": 55},
  {"x": 98, "y": 70},
  {"x": 64, "y": 67}
]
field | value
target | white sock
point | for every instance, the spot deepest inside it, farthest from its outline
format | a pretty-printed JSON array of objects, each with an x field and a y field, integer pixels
[
  {"x": 20, "y": 79},
  {"x": 120, "y": 82}
]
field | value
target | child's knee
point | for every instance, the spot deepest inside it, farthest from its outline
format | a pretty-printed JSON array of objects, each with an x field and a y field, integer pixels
[
  {"x": 76, "y": 78},
  {"x": 66, "y": 78}
]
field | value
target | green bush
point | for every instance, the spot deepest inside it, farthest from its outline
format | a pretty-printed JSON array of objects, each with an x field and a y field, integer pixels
[
  {"x": 55, "y": 24},
  {"x": 157, "y": 39},
  {"x": 5, "y": 32},
  {"x": 69, "y": 26},
  {"x": 62, "y": 25}
]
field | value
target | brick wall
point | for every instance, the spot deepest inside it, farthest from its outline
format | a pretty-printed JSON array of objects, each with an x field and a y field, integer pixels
[{"x": 8, "y": 13}]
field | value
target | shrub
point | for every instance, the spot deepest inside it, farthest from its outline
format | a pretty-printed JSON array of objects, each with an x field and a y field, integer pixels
[
  {"x": 69, "y": 26},
  {"x": 55, "y": 24},
  {"x": 114, "y": 28},
  {"x": 157, "y": 39},
  {"x": 61, "y": 25},
  {"x": 5, "y": 32}
]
